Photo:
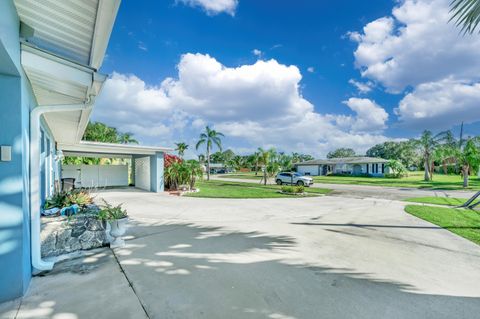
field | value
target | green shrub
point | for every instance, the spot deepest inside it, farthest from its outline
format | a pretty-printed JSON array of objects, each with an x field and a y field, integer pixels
[{"x": 293, "y": 189}]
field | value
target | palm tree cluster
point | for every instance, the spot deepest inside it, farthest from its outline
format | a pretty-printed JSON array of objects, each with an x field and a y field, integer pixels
[
  {"x": 182, "y": 173},
  {"x": 462, "y": 153}
]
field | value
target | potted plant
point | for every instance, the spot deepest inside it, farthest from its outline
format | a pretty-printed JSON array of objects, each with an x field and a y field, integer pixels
[{"x": 117, "y": 217}]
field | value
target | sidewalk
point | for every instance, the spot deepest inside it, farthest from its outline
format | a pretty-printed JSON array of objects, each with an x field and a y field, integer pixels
[{"x": 92, "y": 286}]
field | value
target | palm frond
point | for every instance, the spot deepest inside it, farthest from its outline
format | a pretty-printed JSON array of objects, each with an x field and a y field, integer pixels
[{"x": 466, "y": 14}]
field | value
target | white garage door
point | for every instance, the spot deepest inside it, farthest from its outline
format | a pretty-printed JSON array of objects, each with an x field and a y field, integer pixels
[
  {"x": 311, "y": 170},
  {"x": 142, "y": 173}
]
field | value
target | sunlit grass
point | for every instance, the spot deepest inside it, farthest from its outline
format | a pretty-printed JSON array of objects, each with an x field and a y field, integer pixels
[{"x": 463, "y": 222}]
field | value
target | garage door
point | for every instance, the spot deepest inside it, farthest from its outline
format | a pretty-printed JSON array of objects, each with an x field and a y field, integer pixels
[
  {"x": 142, "y": 173},
  {"x": 308, "y": 170}
]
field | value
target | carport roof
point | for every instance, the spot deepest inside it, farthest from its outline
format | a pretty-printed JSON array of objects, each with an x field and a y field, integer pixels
[{"x": 97, "y": 149}]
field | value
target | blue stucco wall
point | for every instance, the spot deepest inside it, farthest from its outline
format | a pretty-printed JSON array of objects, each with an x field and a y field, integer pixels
[
  {"x": 156, "y": 172},
  {"x": 16, "y": 100}
]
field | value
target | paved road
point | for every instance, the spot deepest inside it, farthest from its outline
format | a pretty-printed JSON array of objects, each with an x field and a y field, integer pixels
[
  {"x": 364, "y": 191},
  {"x": 296, "y": 258}
]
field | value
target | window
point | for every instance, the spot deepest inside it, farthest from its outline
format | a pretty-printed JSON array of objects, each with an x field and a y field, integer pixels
[
  {"x": 368, "y": 170},
  {"x": 383, "y": 168}
]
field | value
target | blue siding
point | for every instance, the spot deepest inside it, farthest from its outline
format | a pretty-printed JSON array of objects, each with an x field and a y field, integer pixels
[
  {"x": 16, "y": 100},
  {"x": 156, "y": 172}
]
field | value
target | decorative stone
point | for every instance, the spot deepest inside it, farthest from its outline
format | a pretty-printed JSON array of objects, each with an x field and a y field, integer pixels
[{"x": 61, "y": 235}]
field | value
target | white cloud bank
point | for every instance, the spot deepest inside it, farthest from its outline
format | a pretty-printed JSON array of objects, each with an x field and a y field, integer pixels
[
  {"x": 259, "y": 104},
  {"x": 213, "y": 7},
  {"x": 417, "y": 48}
]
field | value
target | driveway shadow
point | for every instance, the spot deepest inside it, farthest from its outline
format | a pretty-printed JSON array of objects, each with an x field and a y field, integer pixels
[{"x": 191, "y": 271}]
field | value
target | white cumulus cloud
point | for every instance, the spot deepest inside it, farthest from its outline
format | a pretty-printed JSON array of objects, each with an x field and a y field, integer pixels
[
  {"x": 213, "y": 7},
  {"x": 258, "y": 104},
  {"x": 439, "y": 105},
  {"x": 416, "y": 45}
]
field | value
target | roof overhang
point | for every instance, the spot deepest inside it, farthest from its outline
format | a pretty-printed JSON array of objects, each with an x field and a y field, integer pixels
[
  {"x": 63, "y": 46},
  {"x": 56, "y": 81},
  {"x": 76, "y": 30},
  {"x": 108, "y": 150}
]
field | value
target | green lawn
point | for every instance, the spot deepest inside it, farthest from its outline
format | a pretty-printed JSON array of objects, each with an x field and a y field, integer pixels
[
  {"x": 449, "y": 201},
  {"x": 413, "y": 180},
  {"x": 221, "y": 189},
  {"x": 463, "y": 222}
]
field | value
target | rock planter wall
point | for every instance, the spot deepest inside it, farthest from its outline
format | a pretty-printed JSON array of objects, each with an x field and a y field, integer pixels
[{"x": 61, "y": 235}]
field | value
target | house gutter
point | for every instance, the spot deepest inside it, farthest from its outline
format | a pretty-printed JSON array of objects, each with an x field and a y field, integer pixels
[{"x": 35, "y": 134}]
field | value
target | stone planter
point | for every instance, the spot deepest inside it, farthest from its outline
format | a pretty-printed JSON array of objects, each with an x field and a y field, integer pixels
[
  {"x": 62, "y": 235},
  {"x": 118, "y": 227}
]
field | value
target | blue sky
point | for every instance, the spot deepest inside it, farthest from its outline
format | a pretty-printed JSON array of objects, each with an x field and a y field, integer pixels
[{"x": 306, "y": 76}]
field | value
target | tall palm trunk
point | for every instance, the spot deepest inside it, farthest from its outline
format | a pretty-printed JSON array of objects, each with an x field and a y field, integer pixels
[
  {"x": 265, "y": 176},
  {"x": 208, "y": 163},
  {"x": 465, "y": 172},
  {"x": 427, "y": 170}
]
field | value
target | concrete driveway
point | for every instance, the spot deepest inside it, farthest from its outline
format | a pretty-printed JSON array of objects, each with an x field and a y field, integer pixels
[{"x": 326, "y": 257}]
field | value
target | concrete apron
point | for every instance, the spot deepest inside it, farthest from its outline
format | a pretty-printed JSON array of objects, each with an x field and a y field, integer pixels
[{"x": 272, "y": 258}]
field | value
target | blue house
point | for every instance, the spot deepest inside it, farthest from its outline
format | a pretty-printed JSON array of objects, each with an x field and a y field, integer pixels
[{"x": 50, "y": 56}]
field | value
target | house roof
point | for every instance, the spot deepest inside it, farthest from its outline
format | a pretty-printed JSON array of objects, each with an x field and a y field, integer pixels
[
  {"x": 344, "y": 160},
  {"x": 108, "y": 150}
]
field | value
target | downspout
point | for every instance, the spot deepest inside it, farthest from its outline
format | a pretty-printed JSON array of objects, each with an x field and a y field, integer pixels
[{"x": 35, "y": 115}]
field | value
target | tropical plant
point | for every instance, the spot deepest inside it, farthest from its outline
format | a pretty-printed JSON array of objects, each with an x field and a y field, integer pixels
[
  {"x": 195, "y": 171},
  {"x": 208, "y": 138},
  {"x": 293, "y": 189},
  {"x": 341, "y": 152},
  {"x": 466, "y": 14},
  {"x": 181, "y": 148},
  {"x": 79, "y": 197},
  {"x": 58, "y": 200},
  {"x": 108, "y": 212}
]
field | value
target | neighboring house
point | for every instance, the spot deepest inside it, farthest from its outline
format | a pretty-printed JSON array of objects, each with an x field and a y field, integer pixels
[
  {"x": 347, "y": 165},
  {"x": 50, "y": 54},
  {"x": 219, "y": 168}
]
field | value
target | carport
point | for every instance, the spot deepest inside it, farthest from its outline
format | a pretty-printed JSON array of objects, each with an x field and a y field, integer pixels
[{"x": 146, "y": 165}]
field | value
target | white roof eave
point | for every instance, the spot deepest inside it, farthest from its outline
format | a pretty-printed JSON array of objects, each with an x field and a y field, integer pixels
[{"x": 87, "y": 147}]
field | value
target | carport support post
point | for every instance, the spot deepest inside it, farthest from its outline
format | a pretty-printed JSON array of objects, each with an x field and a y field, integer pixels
[{"x": 156, "y": 172}]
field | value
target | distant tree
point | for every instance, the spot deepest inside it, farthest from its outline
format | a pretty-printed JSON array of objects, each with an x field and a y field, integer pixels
[
  {"x": 403, "y": 151},
  {"x": 181, "y": 148},
  {"x": 228, "y": 155},
  {"x": 341, "y": 152},
  {"x": 468, "y": 157},
  {"x": 208, "y": 138},
  {"x": 217, "y": 157},
  {"x": 126, "y": 138},
  {"x": 100, "y": 132}
]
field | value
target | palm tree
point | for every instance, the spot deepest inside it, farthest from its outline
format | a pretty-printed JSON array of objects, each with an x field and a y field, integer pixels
[
  {"x": 468, "y": 157},
  {"x": 428, "y": 144},
  {"x": 466, "y": 14},
  {"x": 181, "y": 148},
  {"x": 264, "y": 160},
  {"x": 209, "y": 137},
  {"x": 126, "y": 138}
]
